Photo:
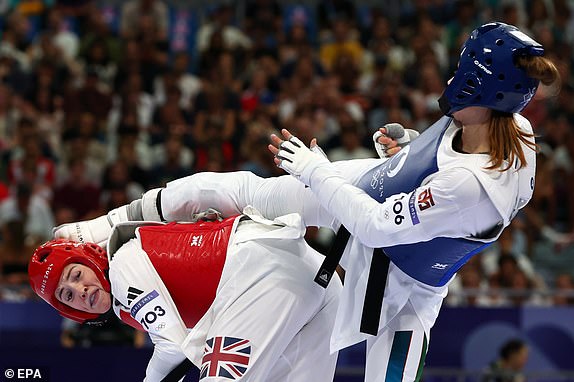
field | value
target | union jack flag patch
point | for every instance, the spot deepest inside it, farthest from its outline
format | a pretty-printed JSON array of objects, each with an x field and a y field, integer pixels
[{"x": 226, "y": 357}]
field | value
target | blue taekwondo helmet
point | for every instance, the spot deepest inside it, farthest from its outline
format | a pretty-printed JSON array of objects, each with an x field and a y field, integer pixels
[{"x": 487, "y": 75}]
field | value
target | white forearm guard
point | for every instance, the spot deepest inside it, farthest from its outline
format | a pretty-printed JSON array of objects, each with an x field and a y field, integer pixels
[
  {"x": 151, "y": 206},
  {"x": 92, "y": 231}
]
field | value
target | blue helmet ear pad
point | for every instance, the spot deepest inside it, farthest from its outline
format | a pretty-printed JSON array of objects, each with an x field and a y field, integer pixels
[{"x": 487, "y": 75}]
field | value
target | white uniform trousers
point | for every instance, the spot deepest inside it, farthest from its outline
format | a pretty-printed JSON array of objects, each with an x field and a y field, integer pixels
[
  {"x": 398, "y": 352},
  {"x": 268, "y": 297}
]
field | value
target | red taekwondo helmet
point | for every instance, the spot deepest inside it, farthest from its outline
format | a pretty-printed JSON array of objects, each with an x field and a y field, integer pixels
[{"x": 48, "y": 262}]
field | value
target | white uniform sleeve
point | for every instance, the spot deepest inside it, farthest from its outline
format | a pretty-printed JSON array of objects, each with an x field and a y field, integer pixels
[
  {"x": 230, "y": 192},
  {"x": 460, "y": 206},
  {"x": 453, "y": 204},
  {"x": 166, "y": 356}
]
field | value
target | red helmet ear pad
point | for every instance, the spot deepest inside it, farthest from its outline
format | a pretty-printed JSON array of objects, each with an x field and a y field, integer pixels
[{"x": 50, "y": 259}]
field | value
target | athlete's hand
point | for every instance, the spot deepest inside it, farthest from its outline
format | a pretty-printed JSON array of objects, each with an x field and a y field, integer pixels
[
  {"x": 97, "y": 230},
  {"x": 390, "y": 138},
  {"x": 294, "y": 157}
]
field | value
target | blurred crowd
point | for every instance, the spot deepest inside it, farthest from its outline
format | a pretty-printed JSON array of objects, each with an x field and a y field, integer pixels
[{"x": 102, "y": 100}]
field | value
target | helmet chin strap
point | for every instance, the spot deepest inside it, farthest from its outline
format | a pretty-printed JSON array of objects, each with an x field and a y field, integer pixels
[{"x": 102, "y": 318}]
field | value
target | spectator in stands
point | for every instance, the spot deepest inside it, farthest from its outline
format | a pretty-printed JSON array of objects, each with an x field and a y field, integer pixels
[
  {"x": 30, "y": 7},
  {"x": 98, "y": 30},
  {"x": 351, "y": 145},
  {"x": 63, "y": 38},
  {"x": 329, "y": 10},
  {"x": 117, "y": 176},
  {"x": 154, "y": 53},
  {"x": 90, "y": 98},
  {"x": 513, "y": 13},
  {"x": 381, "y": 44},
  {"x": 47, "y": 108},
  {"x": 392, "y": 105},
  {"x": 78, "y": 193},
  {"x": 340, "y": 114},
  {"x": 564, "y": 294},
  {"x": 343, "y": 42},
  {"x": 345, "y": 69},
  {"x": 522, "y": 292},
  {"x": 134, "y": 11},
  {"x": 169, "y": 113},
  {"x": 459, "y": 27},
  {"x": 296, "y": 87},
  {"x": 32, "y": 210},
  {"x": 220, "y": 21},
  {"x": 507, "y": 268},
  {"x": 263, "y": 23},
  {"x": 216, "y": 105},
  {"x": 304, "y": 68},
  {"x": 15, "y": 41},
  {"x": 496, "y": 263},
  {"x": 510, "y": 364},
  {"x": 8, "y": 114},
  {"x": 14, "y": 250},
  {"x": 256, "y": 95},
  {"x": 98, "y": 64},
  {"x": 179, "y": 75},
  {"x": 134, "y": 100},
  {"x": 257, "y": 132},
  {"x": 296, "y": 41},
  {"x": 33, "y": 167},
  {"x": 173, "y": 161},
  {"x": 215, "y": 153},
  {"x": 539, "y": 15},
  {"x": 79, "y": 146},
  {"x": 81, "y": 9},
  {"x": 305, "y": 122},
  {"x": 473, "y": 288},
  {"x": 135, "y": 153}
]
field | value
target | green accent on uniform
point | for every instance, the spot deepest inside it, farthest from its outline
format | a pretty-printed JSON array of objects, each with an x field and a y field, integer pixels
[
  {"x": 422, "y": 361},
  {"x": 398, "y": 358}
]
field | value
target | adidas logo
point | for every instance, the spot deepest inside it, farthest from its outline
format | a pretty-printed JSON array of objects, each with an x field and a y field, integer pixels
[
  {"x": 323, "y": 278},
  {"x": 133, "y": 293}
]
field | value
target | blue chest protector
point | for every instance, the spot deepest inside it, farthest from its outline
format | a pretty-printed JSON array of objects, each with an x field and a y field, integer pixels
[{"x": 432, "y": 262}]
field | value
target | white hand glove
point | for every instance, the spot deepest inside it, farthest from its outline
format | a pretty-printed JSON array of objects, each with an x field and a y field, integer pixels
[
  {"x": 209, "y": 215},
  {"x": 404, "y": 139},
  {"x": 96, "y": 231},
  {"x": 298, "y": 160}
]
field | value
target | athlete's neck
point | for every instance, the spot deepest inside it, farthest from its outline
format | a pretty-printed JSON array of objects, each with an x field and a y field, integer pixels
[{"x": 474, "y": 139}]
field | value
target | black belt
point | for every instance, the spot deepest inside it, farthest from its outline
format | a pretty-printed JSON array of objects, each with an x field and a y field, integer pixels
[
  {"x": 179, "y": 371},
  {"x": 376, "y": 284}
]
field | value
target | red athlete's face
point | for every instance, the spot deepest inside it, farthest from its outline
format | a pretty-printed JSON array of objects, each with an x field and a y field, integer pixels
[{"x": 80, "y": 288}]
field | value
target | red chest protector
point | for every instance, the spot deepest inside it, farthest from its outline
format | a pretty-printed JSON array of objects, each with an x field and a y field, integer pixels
[{"x": 189, "y": 258}]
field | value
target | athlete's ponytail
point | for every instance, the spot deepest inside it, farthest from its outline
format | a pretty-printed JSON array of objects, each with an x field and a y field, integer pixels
[
  {"x": 539, "y": 68},
  {"x": 507, "y": 140}
]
